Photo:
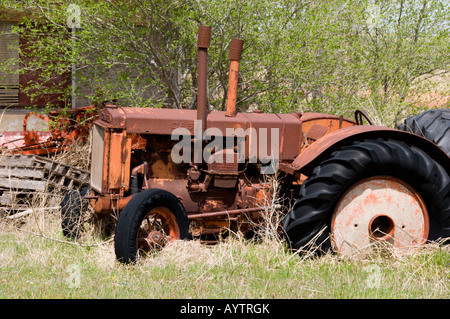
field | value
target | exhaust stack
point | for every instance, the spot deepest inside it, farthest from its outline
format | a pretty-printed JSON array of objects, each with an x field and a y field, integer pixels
[
  {"x": 204, "y": 37},
  {"x": 234, "y": 56}
]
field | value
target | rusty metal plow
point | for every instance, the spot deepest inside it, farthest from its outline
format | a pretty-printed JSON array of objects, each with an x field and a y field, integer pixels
[{"x": 65, "y": 129}]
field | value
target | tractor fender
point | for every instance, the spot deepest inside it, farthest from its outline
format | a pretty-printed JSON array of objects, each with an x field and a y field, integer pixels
[{"x": 323, "y": 147}]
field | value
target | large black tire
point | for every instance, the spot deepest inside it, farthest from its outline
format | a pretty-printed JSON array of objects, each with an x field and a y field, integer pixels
[
  {"x": 131, "y": 218},
  {"x": 73, "y": 206},
  {"x": 434, "y": 125},
  {"x": 321, "y": 192}
]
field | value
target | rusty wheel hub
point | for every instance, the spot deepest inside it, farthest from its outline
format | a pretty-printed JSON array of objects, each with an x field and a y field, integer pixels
[
  {"x": 155, "y": 239},
  {"x": 158, "y": 228},
  {"x": 379, "y": 210}
]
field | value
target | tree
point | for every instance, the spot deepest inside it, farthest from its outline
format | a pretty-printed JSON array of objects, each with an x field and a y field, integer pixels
[{"x": 326, "y": 56}]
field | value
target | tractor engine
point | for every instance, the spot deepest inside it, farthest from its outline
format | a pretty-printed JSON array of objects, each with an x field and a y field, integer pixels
[{"x": 135, "y": 149}]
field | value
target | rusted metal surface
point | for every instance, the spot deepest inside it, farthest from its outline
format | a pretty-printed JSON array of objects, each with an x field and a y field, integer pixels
[
  {"x": 109, "y": 203},
  {"x": 226, "y": 213},
  {"x": 380, "y": 209},
  {"x": 158, "y": 228},
  {"x": 204, "y": 34},
  {"x": 234, "y": 56},
  {"x": 148, "y": 121},
  {"x": 316, "y": 132},
  {"x": 317, "y": 125},
  {"x": 225, "y": 172}
]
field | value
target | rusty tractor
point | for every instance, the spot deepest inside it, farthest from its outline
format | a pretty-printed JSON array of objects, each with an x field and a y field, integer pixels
[{"x": 345, "y": 185}]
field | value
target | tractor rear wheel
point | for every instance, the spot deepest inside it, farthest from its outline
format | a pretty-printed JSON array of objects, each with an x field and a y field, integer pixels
[
  {"x": 373, "y": 191},
  {"x": 150, "y": 220},
  {"x": 434, "y": 125}
]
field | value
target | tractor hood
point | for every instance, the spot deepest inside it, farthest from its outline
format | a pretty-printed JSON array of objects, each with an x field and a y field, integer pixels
[{"x": 164, "y": 121}]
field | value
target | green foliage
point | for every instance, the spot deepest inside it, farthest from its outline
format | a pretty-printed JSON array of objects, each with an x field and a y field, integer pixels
[{"x": 327, "y": 56}]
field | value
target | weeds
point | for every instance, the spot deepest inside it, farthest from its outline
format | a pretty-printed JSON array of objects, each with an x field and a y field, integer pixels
[
  {"x": 37, "y": 267},
  {"x": 34, "y": 266}
]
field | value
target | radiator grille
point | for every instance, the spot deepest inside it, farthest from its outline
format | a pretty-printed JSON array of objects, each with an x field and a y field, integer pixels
[{"x": 98, "y": 149}]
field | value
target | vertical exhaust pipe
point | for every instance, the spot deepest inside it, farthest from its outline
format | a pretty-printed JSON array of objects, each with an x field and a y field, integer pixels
[
  {"x": 234, "y": 56},
  {"x": 204, "y": 37}
]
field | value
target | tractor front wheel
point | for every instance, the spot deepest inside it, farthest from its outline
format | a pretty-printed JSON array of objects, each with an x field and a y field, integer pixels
[{"x": 150, "y": 220}]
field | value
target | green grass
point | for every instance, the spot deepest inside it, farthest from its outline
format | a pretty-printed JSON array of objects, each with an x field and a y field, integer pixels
[{"x": 32, "y": 266}]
